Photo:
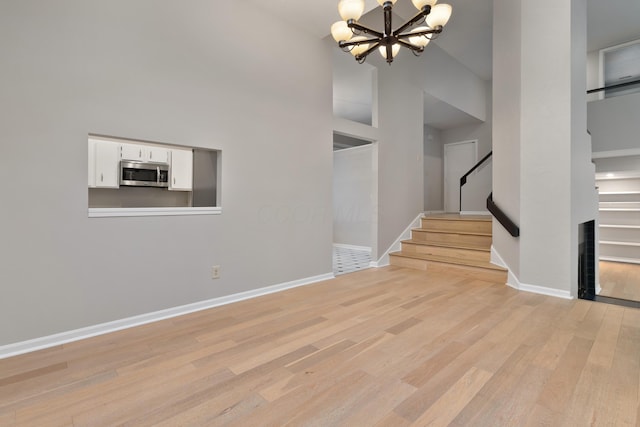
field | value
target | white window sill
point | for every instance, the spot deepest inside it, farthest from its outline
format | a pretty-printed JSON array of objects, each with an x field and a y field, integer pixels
[{"x": 118, "y": 212}]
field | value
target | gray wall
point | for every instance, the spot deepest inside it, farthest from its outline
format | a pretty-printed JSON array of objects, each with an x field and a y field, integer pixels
[
  {"x": 400, "y": 151},
  {"x": 162, "y": 71},
  {"x": 613, "y": 123},
  {"x": 433, "y": 170},
  {"x": 507, "y": 98},
  {"x": 353, "y": 197},
  {"x": 543, "y": 176}
]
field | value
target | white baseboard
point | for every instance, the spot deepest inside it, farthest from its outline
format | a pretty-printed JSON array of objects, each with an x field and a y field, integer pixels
[
  {"x": 514, "y": 282},
  {"x": 352, "y": 247},
  {"x": 395, "y": 246},
  {"x": 18, "y": 348},
  {"x": 496, "y": 259},
  {"x": 545, "y": 291}
]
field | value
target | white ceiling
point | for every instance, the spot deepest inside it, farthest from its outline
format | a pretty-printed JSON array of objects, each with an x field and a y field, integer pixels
[{"x": 468, "y": 35}]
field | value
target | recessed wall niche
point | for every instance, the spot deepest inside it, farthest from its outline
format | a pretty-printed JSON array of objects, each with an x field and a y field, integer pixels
[{"x": 126, "y": 175}]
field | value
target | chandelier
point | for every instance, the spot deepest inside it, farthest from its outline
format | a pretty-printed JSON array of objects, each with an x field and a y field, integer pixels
[{"x": 349, "y": 32}]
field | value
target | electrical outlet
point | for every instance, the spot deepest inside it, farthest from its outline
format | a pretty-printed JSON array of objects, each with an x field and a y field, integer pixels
[{"x": 215, "y": 272}]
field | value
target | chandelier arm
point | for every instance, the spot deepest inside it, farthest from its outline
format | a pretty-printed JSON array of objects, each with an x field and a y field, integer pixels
[
  {"x": 343, "y": 44},
  {"x": 360, "y": 58},
  {"x": 424, "y": 12},
  {"x": 353, "y": 24},
  {"x": 410, "y": 46},
  {"x": 436, "y": 30}
]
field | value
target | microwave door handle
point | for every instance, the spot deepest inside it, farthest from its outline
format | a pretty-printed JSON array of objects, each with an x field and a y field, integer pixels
[{"x": 158, "y": 174}]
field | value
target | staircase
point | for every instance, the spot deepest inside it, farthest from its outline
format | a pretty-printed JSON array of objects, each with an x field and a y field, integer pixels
[
  {"x": 619, "y": 216},
  {"x": 453, "y": 244}
]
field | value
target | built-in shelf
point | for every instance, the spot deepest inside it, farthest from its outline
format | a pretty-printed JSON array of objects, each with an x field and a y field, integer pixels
[
  {"x": 619, "y": 193},
  {"x": 131, "y": 212},
  {"x": 604, "y": 176},
  {"x": 617, "y": 243}
]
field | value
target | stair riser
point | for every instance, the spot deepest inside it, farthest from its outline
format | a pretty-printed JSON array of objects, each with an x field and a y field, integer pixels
[
  {"x": 619, "y": 217},
  {"x": 612, "y": 185},
  {"x": 437, "y": 267},
  {"x": 454, "y": 253},
  {"x": 620, "y": 234},
  {"x": 468, "y": 226},
  {"x": 466, "y": 240}
]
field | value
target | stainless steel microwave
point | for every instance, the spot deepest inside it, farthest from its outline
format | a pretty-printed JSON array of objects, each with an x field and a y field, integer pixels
[{"x": 144, "y": 174}]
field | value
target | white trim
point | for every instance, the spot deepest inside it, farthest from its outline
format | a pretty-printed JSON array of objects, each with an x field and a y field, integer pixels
[
  {"x": 130, "y": 212},
  {"x": 496, "y": 259},
  {"x": 395, "y": 246},
  {"x": 619, "y": 259},
  {"x": 130, "y": 322},
  {"x": 475, "y": 213},
  {"x": 352, "y": 247},
  {"x": 514, "y": 282},
  {"x": 615, "y": 153},
  {"x": 545, "y": 291},
  {"x": 354, "y": 148}
]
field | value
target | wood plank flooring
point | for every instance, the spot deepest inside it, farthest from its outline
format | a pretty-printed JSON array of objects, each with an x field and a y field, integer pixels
[
  {"x": 381, "y": 347},
  {"x": 620, "y": 280}
]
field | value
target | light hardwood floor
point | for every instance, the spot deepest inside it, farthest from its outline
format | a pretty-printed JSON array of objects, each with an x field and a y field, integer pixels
[
  {"x": 620, "y": 280},
  {"x": 381, "y": 347}
]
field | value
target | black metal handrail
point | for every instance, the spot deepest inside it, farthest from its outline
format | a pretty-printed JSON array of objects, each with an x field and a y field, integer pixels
[
  {"x": 616, "y": 86},
  {"x": 463, "y": 180},
  {"x": 502, "y": 217}
]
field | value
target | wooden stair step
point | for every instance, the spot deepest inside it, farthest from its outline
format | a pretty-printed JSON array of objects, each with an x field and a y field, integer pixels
[
  {"x": 463, "y": 239},
  {"x": 451, "y": 251},
  {"x": 480, "y": 271},
  {"x": 448, "y": 260},
  {"x": 458, "y": 223}
]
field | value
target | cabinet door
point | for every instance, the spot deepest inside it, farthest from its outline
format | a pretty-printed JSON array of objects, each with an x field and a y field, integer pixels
[
  {"x": 157, "y": 154},
  {"x": 181, "y": 170},
  {"x": 132, "y": 152},
  {"x": 92, "y": 163},
  {"x": 106, "y": 164}
]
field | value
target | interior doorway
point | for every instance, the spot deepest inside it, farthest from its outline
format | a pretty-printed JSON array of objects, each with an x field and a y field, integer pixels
[
  {"x": 354, "y": 203},
  {"x": 459, "y": 157}
]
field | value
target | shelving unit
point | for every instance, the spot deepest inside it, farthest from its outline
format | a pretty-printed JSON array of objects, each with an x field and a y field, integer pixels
[{"x": 619, "y": 230}]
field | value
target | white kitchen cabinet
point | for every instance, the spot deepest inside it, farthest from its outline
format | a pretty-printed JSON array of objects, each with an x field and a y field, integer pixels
[
  {"x": 106, "y": 164},
  {"x": 181, "y": 178},
  {"x": 132, "y": 152},
  {"x": 157, "y": 154},
  {"x": 144, "y": 153}
]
